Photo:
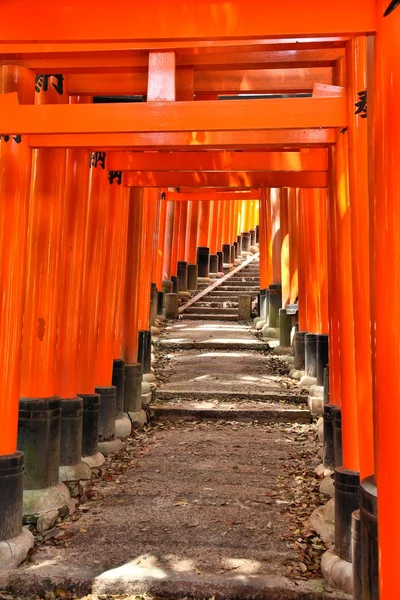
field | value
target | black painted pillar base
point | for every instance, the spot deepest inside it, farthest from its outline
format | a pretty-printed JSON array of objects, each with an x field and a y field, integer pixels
[
  {"x": 118, "y": 379},
  {"x": 252, "y": 237},
  {"x": 160, "y": 303},
  {"x": 369, "y": 538},
  {"x": 203, "y": 261},
  {"x": 183, "y": 275},
  {"x": 226, "y": 252},
  {"x": 167, "y": 286},
  {"x": 133, "y": 388},
  {"x": 213, "y": 264},
  {"x": 322, "y": 358},
  {"x": 275, "y": 304},
  {"x": 153, "y": 304},
  {"x": 300, "y": 350},
  {"x": 235, "y": 246},
  {"x": 356, "y": 554},
  {"x": 239, "y": 245},
  {"x": 246, "y": 241},
  {"x": 329, "y": 446},
  {"x": 220, "y": 262},
  {"x": 39, "y": 433},
  {"x": 285, "y": 328},
  {"x": 311, "y": 354},
  {"x": 108, "y": 404},
  {"x": 257, "y": 228},
  {"x": 175, "y": 284},
  {"x": 232, "y": 255},
  {"x": 144, "y": 350},
  {"x": 12, "y": 487},
  {"x": 347, "y": 487},
  {"x": 337, "y": 435},
  {"x": 90, "y": 424},
  {"x": 71, "y": 431},
  {"x": 193, "y": 271}
]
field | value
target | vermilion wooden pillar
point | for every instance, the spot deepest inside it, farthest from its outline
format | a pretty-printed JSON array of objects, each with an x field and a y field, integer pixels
[
  {"x": 293, "y": 241},
  {"x": 73, "y": 251},
  {"x": 220, "y": 224},
  {"x": 168, "y": 239},
  {"x": 204, "y": 223},
  {"x": 175, "y": 239},
  {"x": 43, "y": 264},
  {"x": 121, "y": 271},
  {"x": 339, "y": 194},
  {"x": 276, "y": 235},
  {"x": 356, "y": 63},
  {"x": 109, "y": 282},
  {"x": 92, "y": 271},
  {"x": 192, "y": 229},
  {"x": 265, "y": 231},
  {"x": 226, "y": 222},
  {"x": 161, "y": 239},
  {"x": 133, "y": 256},
  {"x": 150, "y": 201},
  {"x": 213, "y": 231},
  {"x": 182, "y": 230},
  {"x": 285, "y": 247},
  {"x": 386, "y": 292},
  {"x": 303, "y": 261},
  {"x": 245, "y": 216},
  {"x": 315, "y": 249},
  {"x": 15, "y": 173}
]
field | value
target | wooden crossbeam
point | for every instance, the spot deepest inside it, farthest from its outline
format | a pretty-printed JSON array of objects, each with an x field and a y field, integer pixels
[
  {"x": 276, "y": 113},
  {"x": 204, "y": 140},
  {"x": 308, "y": 179},
  {"x": 95, "y": 20},
  {"x": 210, "y": 196},
  {"x": 129, "y": 62},
  {"x": 311, "y": 160},
  {"x": 283, "y": 81}
]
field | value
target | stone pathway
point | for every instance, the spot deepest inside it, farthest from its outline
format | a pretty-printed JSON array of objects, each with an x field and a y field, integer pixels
[{"x": 214, "y": 507}]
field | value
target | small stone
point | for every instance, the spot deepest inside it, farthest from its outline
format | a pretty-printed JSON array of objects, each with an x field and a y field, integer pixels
[{"x": 47, "y": 520}]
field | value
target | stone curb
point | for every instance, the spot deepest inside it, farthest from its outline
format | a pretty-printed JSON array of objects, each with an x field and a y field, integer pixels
[
  {"x": 263, "y": 415},
  {"x": 337, "y": 572}
]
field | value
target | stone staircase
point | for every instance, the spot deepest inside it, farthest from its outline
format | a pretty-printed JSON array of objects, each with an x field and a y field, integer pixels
[{"x": 220, "y": 300}]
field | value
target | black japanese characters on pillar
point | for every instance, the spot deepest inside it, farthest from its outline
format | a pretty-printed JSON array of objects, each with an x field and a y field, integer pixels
[
  {"x": 42, "y": 83},
  {"x": 115, "y": 176},
  {"x": 361, "y": 105},
  {"x": 98, "y": 158}
]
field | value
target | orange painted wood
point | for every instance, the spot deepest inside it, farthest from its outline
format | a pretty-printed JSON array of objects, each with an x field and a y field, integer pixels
[
  {"x": 213, "y": 229},
  {"x": 220, "y": 224},
  {"x": 240, "y": 179},
  {"x": 213, "y": 115},
  {"x": 385, "y": 292},
  {"x": 182, "y": 230},
  {"x": 264, "y": 236},
  {"x": 161, "y": 242},
  {"x": 121, "y": 273},
  {"x": 42, "y": 291},
  {"x": 131, "y": 296},
  {"x": 293, "y": 245},
  {"x": 161, "y": 77},
  {"x": 150, "y": 198},
  {"x": 195, "y": 194},
  {"x": 158, "y": 20},
  {"x": 276, "y": 239},
  {"x": 225, "y": 222},
  {"x": 89, "y": 61},
  {"x": 285, "y": 246},
  {"x": 192, "y": 232},
  {"x": 261, "y": 80},
  {"x": 168, "y": 238},
  {"x": 15, "y": 169},
  {"x": 175, "y": 239},
  {"x": 303, "y": 160},
  {"x": 356, "y": 71},
  {"x": 73, "y": 251},
  {"x": 245, "y": 221},
  {"x": 204, "y": 223},
  {"x": 303, "y": 261},
  {"x": 92, "y": 267},
  {"x": 314, "y": 204},
  {"x": 109, "y": 283},
  {"x": 207, "y": 140}
]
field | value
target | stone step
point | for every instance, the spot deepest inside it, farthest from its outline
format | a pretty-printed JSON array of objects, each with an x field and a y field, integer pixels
[
  {"x": 238, "y": 288},
  {"x": 227, "y": 294},
  {"x": 208, "y": 317},
  {"x": 207, "y": 310},
  {"x": 199, "y": 410},
  {"x": 211, "y": 303},
  {"x": 280, "y": 397}
]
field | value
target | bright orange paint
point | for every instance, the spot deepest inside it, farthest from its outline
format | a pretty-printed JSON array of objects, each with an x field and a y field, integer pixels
[
  {"x": 175, "y": 239},
  {"x": 133, "y": 257},
  {"x": 303, "y": 262},
  {"x": 204, "y": 223},
  {"x": 42, "y": 290},
  {"x": 276, "y": 239},
  {"x": 99, "y": 189},
  {"x": 285, "y": 246},
  {"x": 15, "y": 173},
  {"x": 73, "y": 251},
  {"x": 356, "y": 63},
  {"x": 161, "y": 77},
  {"x": 161, "y": 242},
  {"x": 264, "y": 234},
  {"x": 386, "y": 293},
  {"x": 168, "y": 239},
  {"x": 120, "y": 275},
  {"x": 192, "y": 229},
  {"x": 293, "y": 245},
  {"x": 182, "y": 230}
]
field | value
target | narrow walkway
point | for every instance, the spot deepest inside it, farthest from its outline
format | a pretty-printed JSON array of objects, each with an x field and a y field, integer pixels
[{"x": 206, "y": 508}]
